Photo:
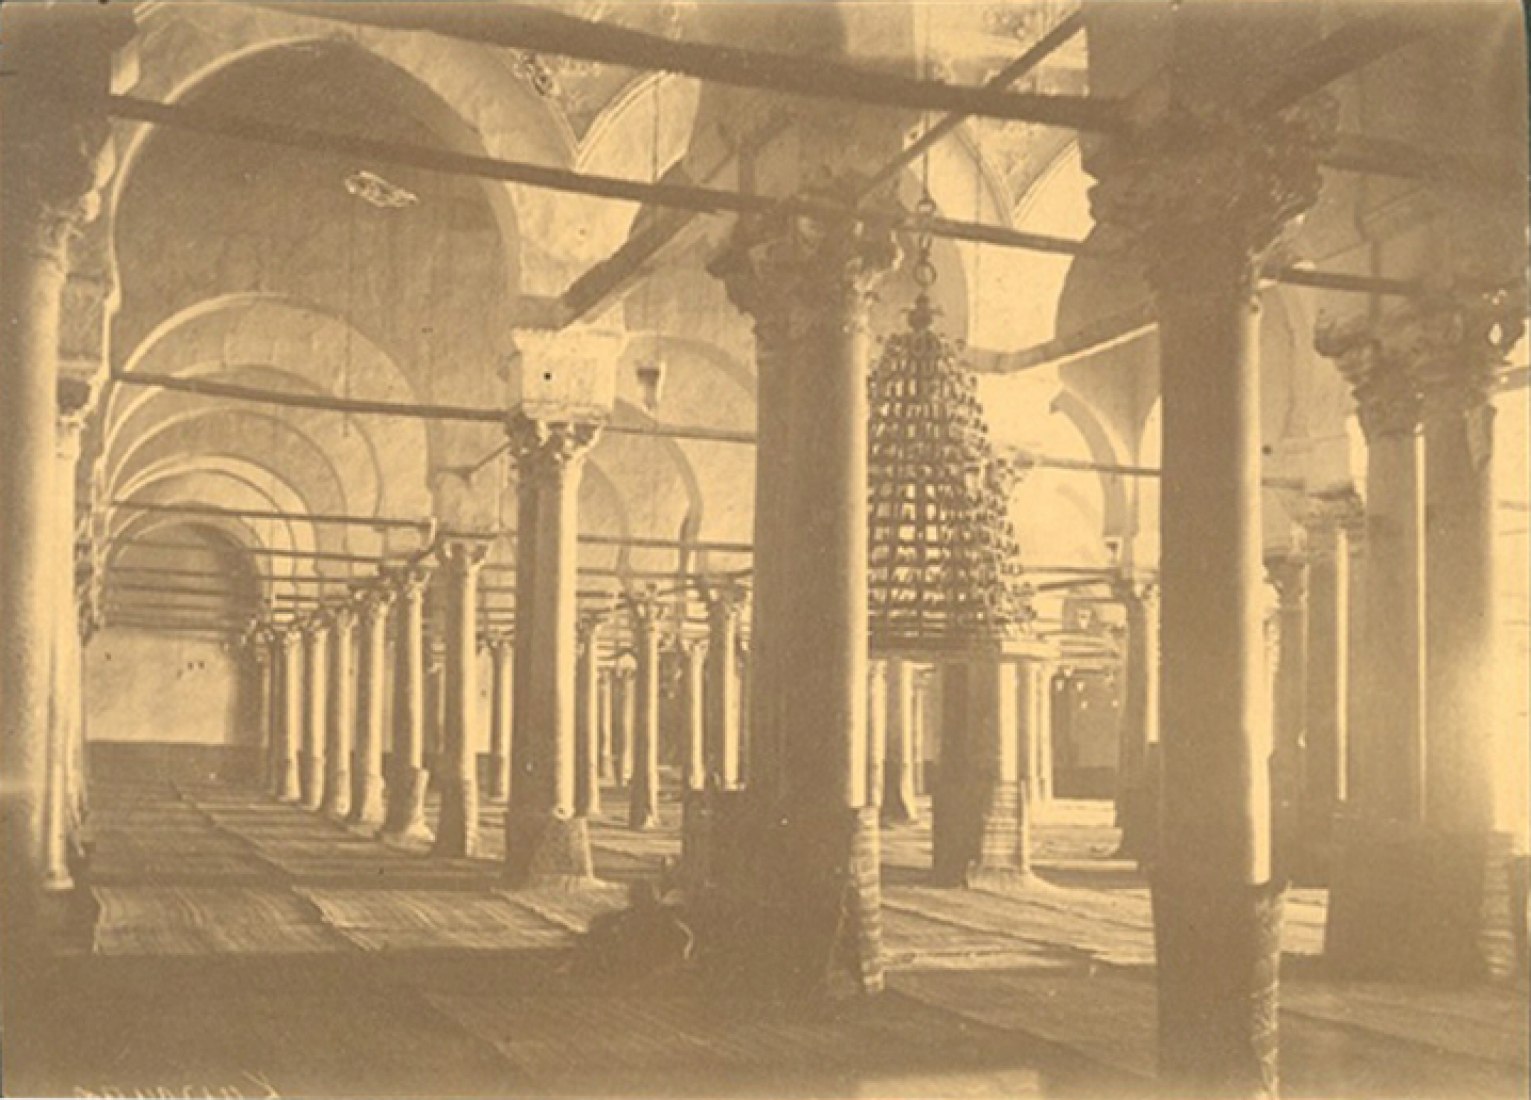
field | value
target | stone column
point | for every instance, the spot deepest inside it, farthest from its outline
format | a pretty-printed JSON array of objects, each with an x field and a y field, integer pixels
[
  {"x": 645, "y": 613},
  {"x": 744, "y": 665},
  {"x": 1288, "y": 573},
  {"x": 57, "y": 157},
  {"x": 605, "y": 681},
  {"x": 899, "y": 806},
  {"x": 407, "y": 777},
  {"x": 1462, "y": 340},
  {"x": 1136, "y": 807},
  {"x": 1201, "y": 193},
  {"x": 287, "y": 784},
  {"x": 1418, "y": 884},
  {"x": 457, "y": 764},
  {"x": 919, "y": 702},
  {"x": 693, "y": 657},
  {"x": 1036, "y": 717},
  {"x": 1391, "y": 741},
  {"x": 367, "y": 807},
  {"x": 979, "y": 826},
  {"x": 311, "y": 760},
  {"x": 257, "y": 648},
  {"x": 587, "y": 714},
  {"x": 546, "y": 841},
  {"x": 622, "y": 723},
  {"x": 1328, "y": 677},
  {"x": 721, "y": 739},
  {"x": 64, "y": 712},
  {"x": 806, "y": 284},
  {"x": 502, "y": 653},
  {"x": 341, "y": 732},
  {"x": 877, "y": 732}
]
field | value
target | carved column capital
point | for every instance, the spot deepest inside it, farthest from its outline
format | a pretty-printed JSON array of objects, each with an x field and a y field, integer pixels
[
  {"x": 790, "y": 273},
  {"x": 589, "y": 627},
  {"x": 644, "y": 609},
  {"x": 1202, "y": 191},
  {"x": 58, "y": 141},
  {"x": 1451, "y": 344},
  {"x": 1387, "y": 396},
  {"x": 1288, "y": 575},
  {"x": 341, "y": 618},
  {"x": 544, "y": 450},
  {"x": 1136, "y": 591},
  {"x": 462, "y": 557},
  {"x": 372, "y": 602},
  {"x": 725, "y": 599},
  {"x": 409, "y": 581}
]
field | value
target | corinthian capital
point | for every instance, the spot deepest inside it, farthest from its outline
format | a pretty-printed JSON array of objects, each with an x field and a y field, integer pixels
[
  {"x": 1201, "y": 192},
  {"x": 1387, "y": 397},
  {"x": 1452, "y": 343},
  {"x": 372, "y": 602},
  {"x": 463, "y": 557},
  {"x": 794, "y": 273},
  {"x": 409, "y": 581},
  {"x": 544, "y": 450},
  {"x": 58, "y": 140}
]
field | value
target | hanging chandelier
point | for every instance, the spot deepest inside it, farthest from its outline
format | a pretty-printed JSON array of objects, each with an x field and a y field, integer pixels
[{"x": 944, "y": 566}]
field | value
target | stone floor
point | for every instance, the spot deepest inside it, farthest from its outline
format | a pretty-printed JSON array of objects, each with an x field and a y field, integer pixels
[{"x": 228, "y": 946}]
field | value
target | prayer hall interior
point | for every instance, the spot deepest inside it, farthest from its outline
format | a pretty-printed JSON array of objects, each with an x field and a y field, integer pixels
[{"x": 930, "y": 548}]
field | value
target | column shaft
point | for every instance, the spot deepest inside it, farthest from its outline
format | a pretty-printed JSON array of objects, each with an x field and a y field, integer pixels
[
  {"x": 694, "y": 660},
  {"x": 899, "y": 806},
  {"x": 457, "y": 766},
  {"x": 316, "y": 637},
  {"x": 722, "y": 745},
  {"x": 546, "y": 841},
  {"x": 1328, "y": 689},
  {"x": 367, "y": 807},
  {"x": 408, "y": 779},
  {"x": 587, "y": 794},
  {"x": 502, "y": 654},
  {"x": 643, "y": 803},
  {"x": 1137, "y": 810},
  {"x": 288, "y": 785},
  {"x": 341, "y": 732},
  {"x": 64, "y": 717},
  {"x": 1289, "y": 710}
]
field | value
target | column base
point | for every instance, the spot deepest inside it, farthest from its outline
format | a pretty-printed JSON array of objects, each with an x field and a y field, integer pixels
[
  {"x": 797, "y": 899},
  {"x": 545, "y": 851},
  {"x": 1219, "y": 956},
  {"x": 405, "y": 819},
  {"x": 1138, "y": 818},
  {"x": 367, "y": 808},
  {"x": 498, "y": 788},
  {"x": 337, "y": 795},
  {"x": 642, "y": 810},
  {"x": 1409, "y": 903},
  {"x": 57, "y": 881},
  {"x": 696, "y": 840},
  {"x": 288, "y": 787},
  {"x": 312, "y": 781},
  {"x": 457, "y": 829},
  {"x": 978, "y": 836}
]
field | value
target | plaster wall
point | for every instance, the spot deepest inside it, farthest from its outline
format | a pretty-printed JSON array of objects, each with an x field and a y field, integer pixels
[{"x": 146, "y": 687}]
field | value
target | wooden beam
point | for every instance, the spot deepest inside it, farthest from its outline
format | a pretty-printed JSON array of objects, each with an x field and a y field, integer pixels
[
  {"x": 1356, "y": 44},
  {"x": 233, "y": 391},
  {"x": 527, "y": 27},
  {"x": 1039, "y": 52},
  {"x": 259, "y": 513},
  {"x": 704, "y": 200},
  {"x": 682, "y": 196}
]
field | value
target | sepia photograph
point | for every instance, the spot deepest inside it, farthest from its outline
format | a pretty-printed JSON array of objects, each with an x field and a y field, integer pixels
[{"x": 770, "y": 549}]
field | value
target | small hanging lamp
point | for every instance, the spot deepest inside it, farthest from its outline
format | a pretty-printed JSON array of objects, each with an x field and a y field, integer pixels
[{"x": 944, "y": 566}]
